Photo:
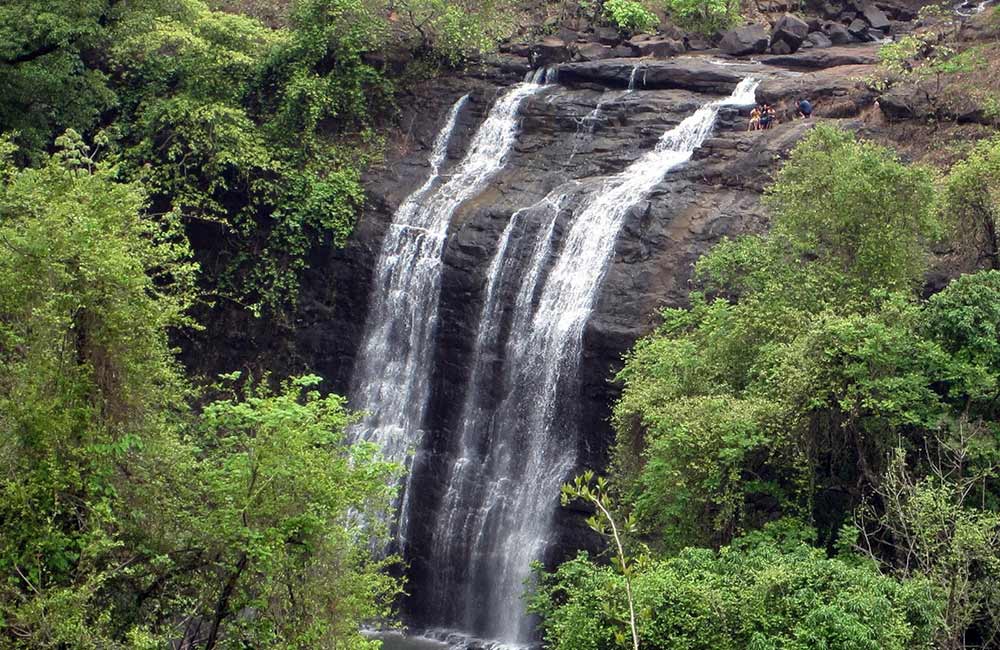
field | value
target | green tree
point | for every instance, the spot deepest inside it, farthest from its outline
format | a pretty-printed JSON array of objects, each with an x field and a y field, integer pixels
[
  {"x": 287, "y": 512},
  {"x": 89, "y": 289},
  {"x": 128, "y": 518},
  {"x": 48, "y": 82},
  {"x": 971, "y": 202},
  {"x": 630, "y": 17},
  {"x": 856, "y": 207}
]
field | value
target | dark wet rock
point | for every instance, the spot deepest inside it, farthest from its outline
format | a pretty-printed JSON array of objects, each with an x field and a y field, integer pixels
[
  {"x": 624, "y": 51},
  {"x": 661, "y": 47},
  {"x": 608, "y": 35},
  {"x": 875, "y": 17},
  {"x": 593, "y": 52},
  {"x": 837, "y": 33},
  {"x": 826, "y": 57},
  {"x": 819, "y": 40},
  {"x": 781, "y": 48},
  {"x": 788, "y": 34},
  {"x": 752, "y": 39},
  {"x": 847, "y": 17},
  {"x": 548, "y": 51},
  {"x": 858, "y": 29},
  {"x": 686, "y": 73},
  {"x": 697, "y": 43}
]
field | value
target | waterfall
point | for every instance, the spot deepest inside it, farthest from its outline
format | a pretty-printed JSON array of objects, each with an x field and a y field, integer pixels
[
  {"x": 514, "y": 452},
  {"x": 392, "y": 373}
]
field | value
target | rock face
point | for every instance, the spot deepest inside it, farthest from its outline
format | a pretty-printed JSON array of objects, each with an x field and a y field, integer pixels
[
  {"x": 788, "y": 34},
  {"x": 827, "y": 57},
  {"x": 694, "y": 74},
  {"x": 752, "y": 39},
  {"x": 549, "y": 50}
]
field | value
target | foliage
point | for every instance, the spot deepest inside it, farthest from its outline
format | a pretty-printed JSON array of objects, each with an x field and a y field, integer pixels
[
  {"x": 257, "y": 135},
  {"x": 936, "y": 529},
  {"x": 928, "y": 58},
  {"x": 732, "y": 407},
  {"x": 799, "y": 379},
  {"x": 47, "y": 82},
  {"x": 704, "y": 16},
  {"x": 630, "y": 17},
  {"x": 88, "y": 288},
  {"x": 971, "y": 202},
  {"x": 128, "y": 519},
  {"x": 756, "y": 593},
  {"x": 286, "y": 512},
  {"x": 453, "y": 31},
  {"x": 857, "y": 208}
]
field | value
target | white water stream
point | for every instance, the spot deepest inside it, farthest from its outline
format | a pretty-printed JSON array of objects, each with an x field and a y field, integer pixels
[{"x": 392, "y": 373}]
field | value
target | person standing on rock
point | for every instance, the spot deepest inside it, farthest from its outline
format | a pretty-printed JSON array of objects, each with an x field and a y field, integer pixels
[
  {"x": 805, "y": 108},
  {"x": 754, "y": 119}
]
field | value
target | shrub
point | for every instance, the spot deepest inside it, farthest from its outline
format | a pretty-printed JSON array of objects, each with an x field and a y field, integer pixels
[
  {"x": 630, "y": 17},
  {"x": 704, "y": 16}
]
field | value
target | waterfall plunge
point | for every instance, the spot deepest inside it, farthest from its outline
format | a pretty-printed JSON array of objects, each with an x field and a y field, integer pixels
[
  {"x": 392, "y": 373},
  {"x": 503, "y": 487}
]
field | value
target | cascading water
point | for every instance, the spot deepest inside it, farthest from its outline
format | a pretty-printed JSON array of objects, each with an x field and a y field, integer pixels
[
  {"x": 514, "y": 452},
  {"x": 392, "y": 372}
]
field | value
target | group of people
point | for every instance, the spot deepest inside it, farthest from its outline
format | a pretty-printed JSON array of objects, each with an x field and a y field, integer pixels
[{"x": 763, "y": 116}]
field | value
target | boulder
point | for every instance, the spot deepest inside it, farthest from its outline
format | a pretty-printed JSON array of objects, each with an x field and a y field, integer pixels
[
  {"x": 548, "y": 51},
  {"x": 789, "y": 30},
  {"x": 781, "y": 48},
  {"x": 752, "y": 39},
  {"x": 593, "y": 52},
  {"x": 875, "y": 17},
  {"x": 837, "y": 33},
  {"x": 830, "y": 10},
  {"x": 847, "y": 17},
  {"x": 660, "y": 47},
  {"x": 607, "y": 35},
  {"x": 519, "y": 49},
  {"x": 696, "y": 43},
  {"x": 819, "y": 40},
  {"x": 858, "y": 29},
  {"x": 624, "y": 51}
]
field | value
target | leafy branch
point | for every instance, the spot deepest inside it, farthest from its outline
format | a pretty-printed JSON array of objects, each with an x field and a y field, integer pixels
[{"x": 585, "y": 488}]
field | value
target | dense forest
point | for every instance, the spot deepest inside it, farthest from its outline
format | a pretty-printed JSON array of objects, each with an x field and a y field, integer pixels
[{"x": 807, "y": 454}]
